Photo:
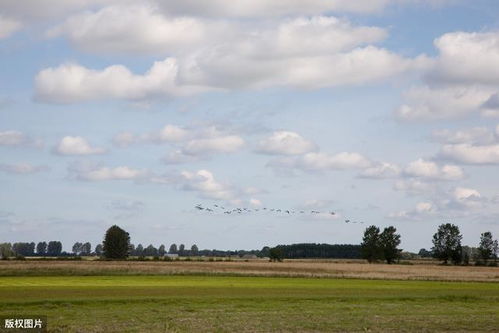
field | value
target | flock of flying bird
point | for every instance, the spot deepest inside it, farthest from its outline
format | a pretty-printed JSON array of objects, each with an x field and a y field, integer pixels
[{"x": 228, "y": 211}]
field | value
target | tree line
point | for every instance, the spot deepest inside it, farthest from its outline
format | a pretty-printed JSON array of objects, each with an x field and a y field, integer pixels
[{"x": 377, "y": 246}]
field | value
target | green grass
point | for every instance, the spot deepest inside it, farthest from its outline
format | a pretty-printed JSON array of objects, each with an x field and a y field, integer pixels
[{"x": 250, "y": 304}]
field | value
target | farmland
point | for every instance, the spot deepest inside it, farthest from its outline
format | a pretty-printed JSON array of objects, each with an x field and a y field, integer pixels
[{"x": 147, "y": 297}]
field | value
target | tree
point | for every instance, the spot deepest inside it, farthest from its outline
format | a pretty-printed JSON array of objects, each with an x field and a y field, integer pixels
[
  {"x": 54, "y": 248},
  {"x": 447, "y": 243},
  {"x": 275, "y": 254},
  {"x": 24, "y": 249},
  {"x": 41, "y": 248},
  {"x": 6, "y": 250},
  {"x": 181, "y": 250},
  {"x": 150, "y": 251},
  {"x": 139, "y": 250},
  {"x": 486, "y": 246},
  {"x": 116, "y": 243},
  {"x": 77, "y": 248},
  {"x": 194, "y": 250},
  {"x": 370, "y": 246},
  {"x": 161, "y": 250},
  {"x": 98, "y": 249},
  {"x": 424, "y": 253},
  {"x": 389, "y": 241},
  {"x": 173, "y": 249},
  {"x": 86, "y": 249}
]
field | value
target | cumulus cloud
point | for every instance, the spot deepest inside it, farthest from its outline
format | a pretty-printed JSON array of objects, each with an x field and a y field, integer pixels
[
  {"x": 463, "y": 79},
  {"x": 221, "y": 144},
  {"x": 475, "y": 135},
  {"x": 305, "y": 53},
  {"x": 22, "y": 168},
  {"x": 381, "y": 170},
  {"x": 17, "y": 138},
  {"x": 76, "y": 145},
  {"x": 471, "y": 154},
  {"x": 422, "y": 209},
  {"x": 70, "y": 83},
  {"x": 204, "y": 182},
  {"x": 433, "y": 103},
  {"x": 430, "y": 170},
  {"x": 285, "y": 143},
  {"x": 414, "y": 186},
  {"x": 93, "y": 172},
  {"x": 467, "y": 57},
  {"x": 135, "y": 28},
  {"x": 322, "y": 161}
]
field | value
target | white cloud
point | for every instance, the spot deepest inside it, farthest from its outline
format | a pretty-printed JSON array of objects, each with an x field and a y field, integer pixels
[
  {"x": 204, "y": 182},
  {"x": 322, "y": 162},
  {"x": 285, "y": 143},
  {"x": 471, "y": 154},
  {"x": 222, "y": 144},
  {"x": 432, "y": 103},
  {"x": 22, "y": 168},
  {"x": 430, "y": 170},
  {"x": 106, "y": 173},
  {"x": 17, "y": 138},
  {"x": 12, "y": 138},
  {"x": 468, "y": 58},
  {"x": 381, "y": 171},
  {"x": 8, "y": 26},
  {"x": 72, "y": 83},
  {"x": 422, "y": 209},
  {"x": 475, "y": 135},
  {"x": 135, "y": 28},
  {"x": 76, "y": 145},
  {"x": 305, "y": 53}
]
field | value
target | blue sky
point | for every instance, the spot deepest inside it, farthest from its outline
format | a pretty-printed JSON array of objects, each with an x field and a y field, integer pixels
[{"x": 132, "y": 112}]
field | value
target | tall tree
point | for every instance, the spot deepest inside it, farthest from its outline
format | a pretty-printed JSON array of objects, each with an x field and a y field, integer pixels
[
  {"x": 41, "y": 248},
  {"x": 86, "y": 249},
  {"x": 6, "y": 250},
  {"x": 139, "y": 250},
  {"x": 54, "y": 248},
  {"x": 447, "y": 243},
  {"x": 161, "y": 250},
  {"x": 486, "y": 246},
  {"x": 116, "y": 243},
  {"x": 390, "y": 240},
  {"x": 370, "y": 246},
  {"x": 276, "y": 254},
  {"x": 98, "y": 249},
  {"x": 151, "y": 251},
  {"x": 181, "y": 250},
  {"x": 77, "y": 248},
  {"x": 173, "y": 249},
  {"x": 194, "y": 250}
]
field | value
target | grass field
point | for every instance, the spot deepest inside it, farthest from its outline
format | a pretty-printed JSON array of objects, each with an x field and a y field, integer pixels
[{"x": 190, "y": 303}]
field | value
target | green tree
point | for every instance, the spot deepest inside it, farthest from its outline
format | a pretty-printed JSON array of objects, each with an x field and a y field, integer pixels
[
  {"x": 486, "y": 246},
  {"x": 41, "y": 248},
  {"x": 6, "y": 250},
  {"x": 77, "y": 248},
  {"x": 173, "y": 249},
  {"x": 86, "y": 249},
  {"x": 54, "y": 248},
  {"x": 161, "y": 250},
  {"x": 389, "y": 241},
  {"x": 194, "y": 250},
  {"x": 447, "y": 243},
  {"x": 371, "y": 246},
  {"x": 181, "y": 250},
  {"x": 139, "y": 250},
  {"x": 116, "y": 243},
  {"x": 98, "y": 249},
  {"x": 275, "y": 254}
]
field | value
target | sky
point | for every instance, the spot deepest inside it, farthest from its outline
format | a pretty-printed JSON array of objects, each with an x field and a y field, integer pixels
[{"x": 384, "y": 112}]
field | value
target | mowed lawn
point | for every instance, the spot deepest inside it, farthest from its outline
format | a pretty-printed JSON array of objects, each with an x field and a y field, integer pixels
[{"x": 250, "y": 304}]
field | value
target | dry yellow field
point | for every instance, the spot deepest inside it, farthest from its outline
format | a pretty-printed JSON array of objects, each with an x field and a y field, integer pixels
[{"x": 288, "y": 268}]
